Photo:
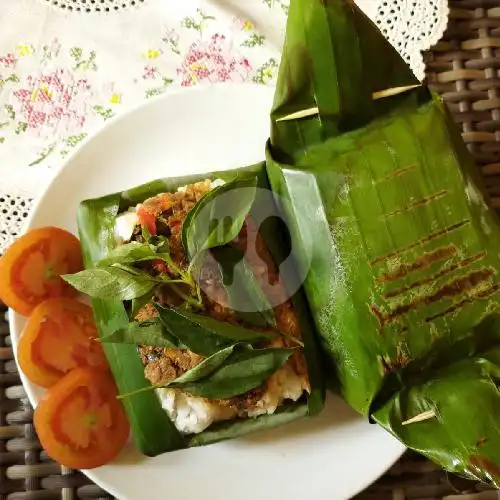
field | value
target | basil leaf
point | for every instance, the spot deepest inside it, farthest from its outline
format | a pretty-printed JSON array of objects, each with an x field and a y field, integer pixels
[
  {"x": 218, "y": 217},
  {"x": 242, "y": 371},
  {"x": 150, "y": 332},
  {"x": 110, "y": 283},
  {"x": 206, "y": 367},
  {"x": 204, "y": 335},
  {"x": 245, "y": 295},
  {"x": 134, "y": 252},
  {"x": 127, "y": 253}
]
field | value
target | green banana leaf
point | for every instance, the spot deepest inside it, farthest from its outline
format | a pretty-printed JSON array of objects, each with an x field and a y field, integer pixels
[
  {"x": 152, "y": 430},
  {"x": 390, "y": 226}
]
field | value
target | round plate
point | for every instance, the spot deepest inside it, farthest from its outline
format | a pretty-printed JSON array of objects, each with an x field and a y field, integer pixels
[{"x": 334, "y": 455}]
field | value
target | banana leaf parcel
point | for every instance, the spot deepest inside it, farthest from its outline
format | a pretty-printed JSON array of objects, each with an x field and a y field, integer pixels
[
  {"x": 155, "y": 329},
  {"x": 392, "y": 229}
]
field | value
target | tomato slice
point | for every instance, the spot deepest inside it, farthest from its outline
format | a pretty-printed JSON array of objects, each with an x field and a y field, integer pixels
[
  {"x": 30, "y": 268},
  {"x": 80, "y": 422},
  {"x": 150, "y": 209},
  {"x": 147, "y": 218},
  {"x": 59, "y": 336}
]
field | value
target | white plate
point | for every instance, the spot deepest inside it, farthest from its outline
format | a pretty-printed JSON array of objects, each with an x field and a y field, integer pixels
[{"x": 332, "y": 456}]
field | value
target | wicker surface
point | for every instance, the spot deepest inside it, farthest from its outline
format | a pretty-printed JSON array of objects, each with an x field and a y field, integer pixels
[{"x": 464, "y": 67}]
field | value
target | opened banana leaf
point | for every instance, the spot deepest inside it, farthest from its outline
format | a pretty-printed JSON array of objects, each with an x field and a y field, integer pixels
[
  {"x": 390, "y": 225},
  {"x": 110, "y": 278}
]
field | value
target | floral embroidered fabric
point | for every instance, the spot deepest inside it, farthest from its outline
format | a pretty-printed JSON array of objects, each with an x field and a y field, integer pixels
[{"x": 64, "y": 72}]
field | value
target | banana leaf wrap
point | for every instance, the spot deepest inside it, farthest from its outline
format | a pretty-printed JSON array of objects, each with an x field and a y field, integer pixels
[
  {"x": 152, "y": 430},
  {"x": 390, "y": 223}
]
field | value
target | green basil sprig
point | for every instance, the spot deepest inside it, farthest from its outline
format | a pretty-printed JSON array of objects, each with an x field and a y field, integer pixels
[{"x": 111, "y": 282}]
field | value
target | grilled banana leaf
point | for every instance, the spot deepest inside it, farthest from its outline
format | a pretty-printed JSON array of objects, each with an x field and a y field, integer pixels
[
  {"x": 391, "y": 227},
  {"x": 152, "y": 430}
]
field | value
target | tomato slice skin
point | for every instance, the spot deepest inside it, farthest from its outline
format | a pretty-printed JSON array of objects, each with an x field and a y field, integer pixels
[
  {"x": 30, "y": 268},
  {"x": 58, "y": 337},
  {"x": 80, "y": 422}
]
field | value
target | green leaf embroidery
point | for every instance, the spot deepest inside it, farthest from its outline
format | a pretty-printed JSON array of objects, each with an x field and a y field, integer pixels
[
  {"x": 111, "y": 282},
  {"x": 150, "y": 333},
  {"x": 218, "y": 217},
  {"x": 242, "y": 371},
  {"x": 197, "y": 23},
  {"x": 254, "y": 41},
  {"x": 9, "y": 109},
  {"x": 44, "y": 154},
  {"x": 204, "y": 335},
  {"x": 76, "y": 53},
  {"x": 266, "y": 72},
  {"x": 105, "y": 113},
  {"x": 22, "y": 127},
  {"x": 154, "y": 91}
]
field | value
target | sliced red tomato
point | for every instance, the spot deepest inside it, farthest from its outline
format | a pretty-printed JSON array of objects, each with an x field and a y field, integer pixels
[
  {"x": 148, "y": 211},
  {"x": 147, "y": 218},
  {"x": 80, "y": 422},
  {"x": 30, "y": 269},
  {"x": 59, "y": 336}
]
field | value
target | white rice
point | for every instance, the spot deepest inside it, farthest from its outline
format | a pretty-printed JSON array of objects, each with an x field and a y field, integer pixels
[{"x": 192, "y": 415}]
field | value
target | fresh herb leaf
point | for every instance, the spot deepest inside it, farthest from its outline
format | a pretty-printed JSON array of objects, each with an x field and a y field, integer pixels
[
  {"x": 206, "y": 367},
  {"x": 204, "y": 335},
  {"x": 218, "y": 217},
  {"x": 150, "y": 332},
  {"x": 245, "y": 295},
  {"x": 110, "y": 283},
  {"x": 127, "y": 254},
  {"x": 134, "y": 252},
  {"x": 243, "y": 370}
]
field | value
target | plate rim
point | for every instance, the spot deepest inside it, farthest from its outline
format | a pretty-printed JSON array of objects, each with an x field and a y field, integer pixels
[{"x": 39, "y": 200}]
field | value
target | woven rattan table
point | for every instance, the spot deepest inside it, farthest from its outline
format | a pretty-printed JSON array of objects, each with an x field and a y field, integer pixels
[{"x": 465, "y": 68}]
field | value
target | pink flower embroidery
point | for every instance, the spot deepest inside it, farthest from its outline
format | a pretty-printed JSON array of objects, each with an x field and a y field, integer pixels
[
  {"x": 213, "y": 61},
  {"x": 9, "y": 60},
  {"x": 150, "y": 73},
  {"x": 52, "y": 100}
]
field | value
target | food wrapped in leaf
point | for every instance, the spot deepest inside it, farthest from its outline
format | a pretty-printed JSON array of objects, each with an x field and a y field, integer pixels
[
  {"x": 206, "y": 339},
  {"x": 400, "y": 248}
]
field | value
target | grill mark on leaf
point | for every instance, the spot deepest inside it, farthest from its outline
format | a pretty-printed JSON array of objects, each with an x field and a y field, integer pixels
[
  {"x": 484, "y": 294},
  {"x": 398, "y": 173},
  {"x": 448, "y": 270},
  {"x": 418, "y": 203},
  {"x": 421, "y": 262},
  {"x": 422, "y": 241},
  {"x": 454, "y": 287}
]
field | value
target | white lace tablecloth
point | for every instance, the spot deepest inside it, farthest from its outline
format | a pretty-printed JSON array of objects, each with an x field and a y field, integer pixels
[{"x": 67, "y": 66}]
